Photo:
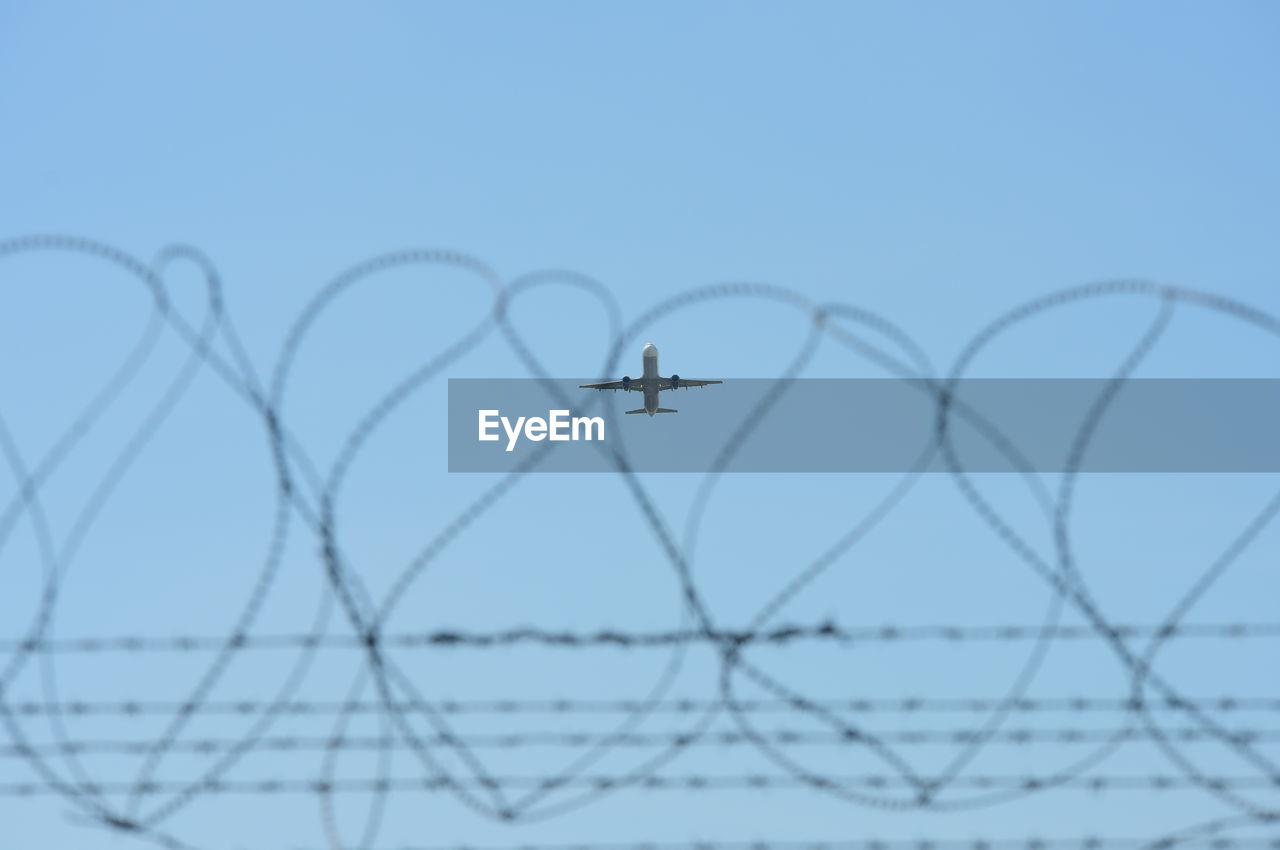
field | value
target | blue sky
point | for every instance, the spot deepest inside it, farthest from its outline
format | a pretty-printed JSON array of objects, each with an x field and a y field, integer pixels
[{"x": 934, "y": 163}]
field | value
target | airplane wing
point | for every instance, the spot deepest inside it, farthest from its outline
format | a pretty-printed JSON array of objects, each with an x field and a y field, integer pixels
[
  {"x": 611, "y": 385},
  {"x": 665, "y": 383}
]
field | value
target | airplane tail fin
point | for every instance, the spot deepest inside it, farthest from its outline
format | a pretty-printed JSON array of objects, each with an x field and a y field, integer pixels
[
  {"x": 641, "y": 410},
  {"x": 667, "y": 410}
]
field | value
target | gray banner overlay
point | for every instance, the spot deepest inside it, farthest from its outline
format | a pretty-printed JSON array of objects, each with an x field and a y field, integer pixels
[{"x": 872, "y": 425}]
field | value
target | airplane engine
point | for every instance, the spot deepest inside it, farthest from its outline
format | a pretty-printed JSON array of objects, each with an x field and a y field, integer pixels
[
  {"x": 675, "y": 382},
  {"x": 626, "y": 382}
]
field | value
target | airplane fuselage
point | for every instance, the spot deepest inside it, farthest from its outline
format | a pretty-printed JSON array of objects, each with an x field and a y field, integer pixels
[{"x": 650, "y": 373}]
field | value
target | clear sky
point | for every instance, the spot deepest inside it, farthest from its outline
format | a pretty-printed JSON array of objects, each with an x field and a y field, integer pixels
[{"x": 934, "y": 163}]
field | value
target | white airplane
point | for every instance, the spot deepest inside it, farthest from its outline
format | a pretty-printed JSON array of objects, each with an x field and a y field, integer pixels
[{"x": 651, "y": 383}]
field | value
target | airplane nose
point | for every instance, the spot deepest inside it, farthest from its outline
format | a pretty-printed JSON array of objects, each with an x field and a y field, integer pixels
[{"x": 650, "y": 350}]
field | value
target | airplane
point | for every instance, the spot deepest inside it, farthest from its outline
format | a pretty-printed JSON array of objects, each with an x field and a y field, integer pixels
[{"x": 651, "y": 383}]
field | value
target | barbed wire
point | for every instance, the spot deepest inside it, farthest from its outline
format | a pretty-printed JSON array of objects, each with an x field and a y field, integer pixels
[
  {"x": 901, "y": 705},
  {"x": 566, "y": 639},
  {"x": 416, "y": 722},
  {"x": 1085, "y": 843},
  {"x": 653, "y": 782},
  {"x": 515, "y": 740}
]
